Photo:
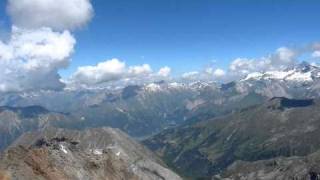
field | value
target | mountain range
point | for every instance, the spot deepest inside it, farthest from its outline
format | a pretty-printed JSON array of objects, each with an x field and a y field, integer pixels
[
  {"x": 143, "y": 110},
  {"x": 263, "y": 126}
]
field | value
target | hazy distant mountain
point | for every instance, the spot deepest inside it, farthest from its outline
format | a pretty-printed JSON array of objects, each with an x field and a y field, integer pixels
[
  {"x": 142, "y": 110},
  {"x": 16, "y": 121},
  {"x": 103, "y": 153},
  {"x": 279, "y": 127}
]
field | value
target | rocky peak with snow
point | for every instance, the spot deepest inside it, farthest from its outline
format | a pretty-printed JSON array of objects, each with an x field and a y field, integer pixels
[{"x": 303, "y": 72}]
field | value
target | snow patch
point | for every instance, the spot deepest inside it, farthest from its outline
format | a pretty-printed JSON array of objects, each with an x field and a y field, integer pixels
[
  {"x": 63, "y": 149},
  {"x": 153, "y": 87},
  {"x": 175, "y": 85},
  {"x": 300, "y": 77},
  {"x": 97, "y": 151},
  {"x": 118, "y": 153},
  {"x": 120, "y": 110},
  {"x": 194, "y": 104},
  {"x": 278, "y": 74},
  {"x": 255, "y": 75}
]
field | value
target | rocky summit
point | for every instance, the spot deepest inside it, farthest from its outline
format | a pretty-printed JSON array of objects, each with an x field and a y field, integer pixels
[{"x": 61, "y": 154}]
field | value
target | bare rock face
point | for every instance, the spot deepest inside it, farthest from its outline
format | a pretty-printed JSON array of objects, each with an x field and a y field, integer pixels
[{"x": 105, "y": 153}]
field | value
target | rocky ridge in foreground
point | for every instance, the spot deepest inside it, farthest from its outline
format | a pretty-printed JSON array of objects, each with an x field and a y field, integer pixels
[{"x": 104, "y": 153}]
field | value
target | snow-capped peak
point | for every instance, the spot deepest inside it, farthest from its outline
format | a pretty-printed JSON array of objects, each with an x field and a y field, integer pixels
[
  {"x": 198, "y": 84},
  {"x": 153, "y": 87},
  {"x": 301, "y": 73},
  {"x": 254, "y": 75}
]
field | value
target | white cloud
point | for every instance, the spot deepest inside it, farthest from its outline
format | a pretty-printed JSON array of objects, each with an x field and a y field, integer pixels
[
  {"x": 219, "y": 73},
  {"x": 281, "y": 59},
  {"x": 140, "y": 70},
  {"x": 109, "y": 70},
  {"x": 285, "y": 55},
  {"x": 240, "y": 67},
  {"x": 207, "y": 74},
  {"x": 164, "y": 71},
  {"x": 191, "y": 74},
  {"x": 114, "y": 71},
  {"x": 315, "y": 50},
  {"x": 209, "y": 70},
  {"x": 57, "y": 14},
  {"x": 316, "y": 54},
  {"x": 30, "y": 60}
]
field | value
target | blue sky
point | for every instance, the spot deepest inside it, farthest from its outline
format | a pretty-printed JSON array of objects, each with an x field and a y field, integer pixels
[{"x": 190, "y": 34}]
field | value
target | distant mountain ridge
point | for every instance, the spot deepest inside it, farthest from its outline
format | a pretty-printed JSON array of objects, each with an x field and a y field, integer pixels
[{"x": 14, "y": 121}]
